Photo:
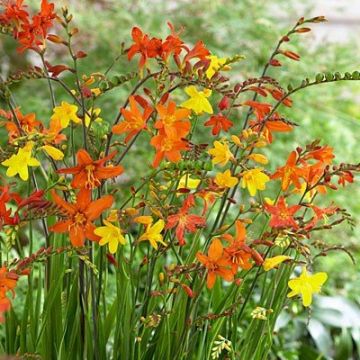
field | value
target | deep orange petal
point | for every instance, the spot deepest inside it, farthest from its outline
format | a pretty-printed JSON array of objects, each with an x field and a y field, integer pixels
[
  {"x": 96, "y": 207},
  {"x": 83, "y": 157},
  {"x": 69, "y": 208}
]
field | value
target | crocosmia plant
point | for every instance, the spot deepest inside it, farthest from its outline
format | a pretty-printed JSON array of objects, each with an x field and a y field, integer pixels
[{"x": 196, "y": 256}]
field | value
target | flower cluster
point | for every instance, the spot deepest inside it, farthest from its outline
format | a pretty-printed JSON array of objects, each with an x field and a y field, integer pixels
[{"x": 205, "y": 212}]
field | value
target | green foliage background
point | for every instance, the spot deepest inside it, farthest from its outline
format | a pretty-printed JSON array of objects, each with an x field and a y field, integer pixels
[{"x": 251, "y": 28}]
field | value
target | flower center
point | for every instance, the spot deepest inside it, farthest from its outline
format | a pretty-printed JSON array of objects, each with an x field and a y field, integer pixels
[
  {"x": 79, "y": 219},
  {"x": 92, "y": 181}
]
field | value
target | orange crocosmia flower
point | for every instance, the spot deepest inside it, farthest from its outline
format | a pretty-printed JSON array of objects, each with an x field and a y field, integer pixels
[
  {"x": 28, "y": 124},
  {"x": 320, "y": 214},
  {"x": 172, "y": 44},
  {"x": 260, "y": 109},
  {"x": 238, "y": 253},
  {"x": 219, "y": 122},
  {"x": 324, "y": 154},
  {"x": 77, "y": 219},
  {"x": 185, "y": 221},
  {"x": 168, "y": 146},
  {"x": 8, "y": 281},
  {"x": 199, "y": 51},
  {"x": 171, "y": 117},
  {"x": 53, "y": 133},
  {"x": 89, "y": 173},
  {"x": 134, "y": 121},
  {"x": 282, "y": 216},
  {"x": 215, "y": 263},
  {"x": 312, "y": 175},
  {"x": 290, "y": 173},
  {"x": 143, "y": 45},
  {"x": 344, "y": 177}
]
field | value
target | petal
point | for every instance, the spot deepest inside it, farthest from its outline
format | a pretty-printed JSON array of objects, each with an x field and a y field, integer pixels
[
  {"x": 83, "y": 199},
  {"x": 69, "y": 208},
  {"x": 113, "y": 245},
  {"x": 83, "y": 157},
  {"x": 108, "y": 172},
  {"x": 89, "y": 232},
  {"x": 96, "y": 207},
  {"x": 77, "y": 236},
  {"x": 215, "y": 250},
  {"x": 61, "y": 226},
  {"x": 210, "y": 281}
]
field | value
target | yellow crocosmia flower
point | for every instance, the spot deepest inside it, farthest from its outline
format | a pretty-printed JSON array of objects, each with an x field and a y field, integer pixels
[
  {"x": 145, "y": 219},
  {"x": 110, "y": 234},
  {"x": 221, "y": 153},
  {"x": 53, "y": 152},
  {"x": 235, "y": 139},
  {"x": 259, "y": 158},
  {"x": 306, "y": 285},
  {"x": 113, "y": 216},
  {"x": 153, "y": 234},
  {"x": 269, "y": 201},
  {"x": 215, "y": 64},
  {"x": 254, "y": 180},
  {"x": 225, "y": 179},
  {"x": 94, "y": 114},
  {"x": 65, "y": 113},
  {"x": 18, "y": 163},
  {"x": 198, "y": 101},
  {"x": 272, "y": 262},
  {"x": 186, "y": 182},
  {"x": 96, "y": 91}
]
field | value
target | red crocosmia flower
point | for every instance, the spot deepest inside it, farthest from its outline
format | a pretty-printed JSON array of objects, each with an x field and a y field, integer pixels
[
  {"x": 238, "y": 253},
  {"x": 290, "y": 173},
  {"x": 183, "y": 221},
  {"x": 224, "y": 103},
  {"x": 172, "y": 44},
  {"x": 171, "y": 117},
  {"x": 154, "y": 48},
  {"x": 219, "y": 122},
  {"x": 199, "y": 51},
  {"x": 324, "y": 154},
  {"x": 33, "y": 35},
  {"x": 89, "y": 173},
  {"x": 44, "y": 19},
  {"x": 278, "y": 94},
  {"x": 282, "y": 216},
  {"x": 168, "y": 145},
  {"x": 134, "y": 121},
  {"x": 215, "y": 263},
  {"x": 141, "y": 41},
  {"x": 5, "y": 214},
  {"x": 143, "y": 45},
  {"x": 344, "y": 177},
  {"x": 78, "y": 217},
  {"x": 260, "y": 109},
  {"x": 35, "y": 197},
  {"x": 14, "y": 14}
]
